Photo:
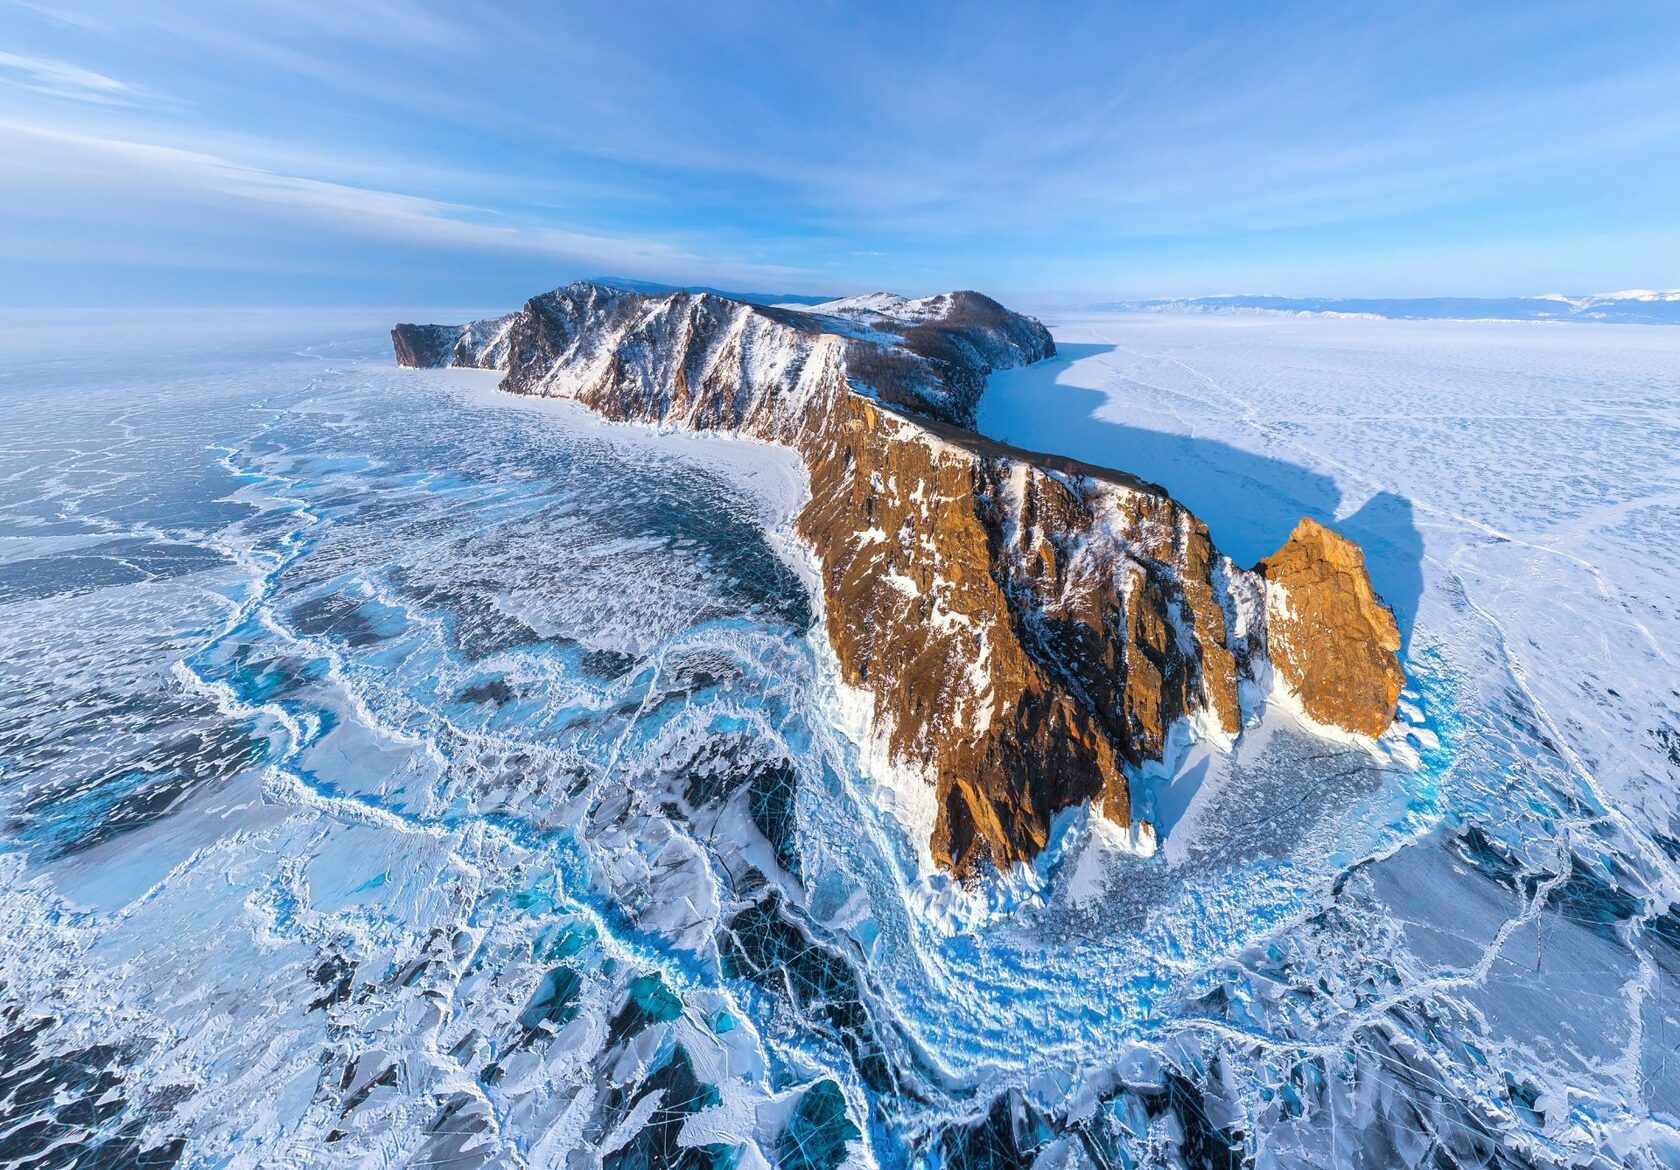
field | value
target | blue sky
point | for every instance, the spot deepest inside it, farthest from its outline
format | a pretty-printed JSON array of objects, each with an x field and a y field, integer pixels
[{"x": 395, "y": 152}]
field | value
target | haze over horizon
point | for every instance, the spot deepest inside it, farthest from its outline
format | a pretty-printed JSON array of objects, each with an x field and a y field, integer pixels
[{"x": 415, "y": 153}]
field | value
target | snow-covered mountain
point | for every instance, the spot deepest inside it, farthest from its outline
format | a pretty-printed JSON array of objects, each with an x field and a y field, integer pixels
[
  {"x": 1630, "y": 307},
  {"x": 655, "y": 288},
  {"x": 1022, "y": 632}
]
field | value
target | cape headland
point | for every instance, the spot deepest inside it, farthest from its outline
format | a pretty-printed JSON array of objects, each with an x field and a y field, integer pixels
[{"x": 1023, "y": 630}]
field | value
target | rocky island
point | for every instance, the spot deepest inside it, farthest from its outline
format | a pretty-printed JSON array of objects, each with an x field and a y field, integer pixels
[{"x": 1022, "y": 630}]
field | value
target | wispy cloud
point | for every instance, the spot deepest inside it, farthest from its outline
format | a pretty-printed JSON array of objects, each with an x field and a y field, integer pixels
[
  {"x": 105, "y": 168},
  {"x": 776, "y": 144},
  {"x": 61, "y": 79}
]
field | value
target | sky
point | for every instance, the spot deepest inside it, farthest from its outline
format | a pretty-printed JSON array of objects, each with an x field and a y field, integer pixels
[{"x": 385, "y": 152}]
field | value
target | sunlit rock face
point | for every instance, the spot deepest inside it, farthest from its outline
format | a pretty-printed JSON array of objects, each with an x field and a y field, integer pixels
[
  {"x": 1332, "y": 640},
  {"x": 1022, "y": 629},
  {"x": 1027, "y": 627}
]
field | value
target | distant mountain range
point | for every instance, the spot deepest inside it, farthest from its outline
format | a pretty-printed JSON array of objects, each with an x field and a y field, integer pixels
[{"x": 1631, "y": 307}]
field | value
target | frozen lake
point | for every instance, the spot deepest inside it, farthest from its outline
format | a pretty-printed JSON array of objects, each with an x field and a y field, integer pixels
[{"x": 395, "y": 773}]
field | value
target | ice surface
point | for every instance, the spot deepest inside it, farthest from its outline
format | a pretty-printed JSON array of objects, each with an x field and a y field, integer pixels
[{"x": 392, "y": 773}]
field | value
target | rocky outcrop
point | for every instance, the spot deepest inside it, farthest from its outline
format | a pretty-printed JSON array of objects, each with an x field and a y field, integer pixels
[
  {"x": 1025, "y": 629},
  {"x": 1333, "y": 642},
  {"x": 478, "y": 344}
]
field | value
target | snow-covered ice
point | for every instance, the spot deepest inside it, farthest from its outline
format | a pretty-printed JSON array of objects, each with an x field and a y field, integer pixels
[{"x": 394, "y": 773}]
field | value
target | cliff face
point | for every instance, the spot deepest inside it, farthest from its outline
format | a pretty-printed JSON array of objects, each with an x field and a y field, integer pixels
[
  {"x": 1333, "y": 642},
  {"x": 478, "y": 344},
  {"x": 1026, "y": 627}
]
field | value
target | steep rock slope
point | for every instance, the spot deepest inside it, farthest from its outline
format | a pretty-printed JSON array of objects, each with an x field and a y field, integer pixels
[
  {"x": 1332, "y": 640},
  {"x": 1024, "y": 628},
  {"x": 477, "y": 343}
]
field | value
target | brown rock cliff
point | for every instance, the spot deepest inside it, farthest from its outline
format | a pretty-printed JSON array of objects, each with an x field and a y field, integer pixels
[{"x": 1331, "y": 639}]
